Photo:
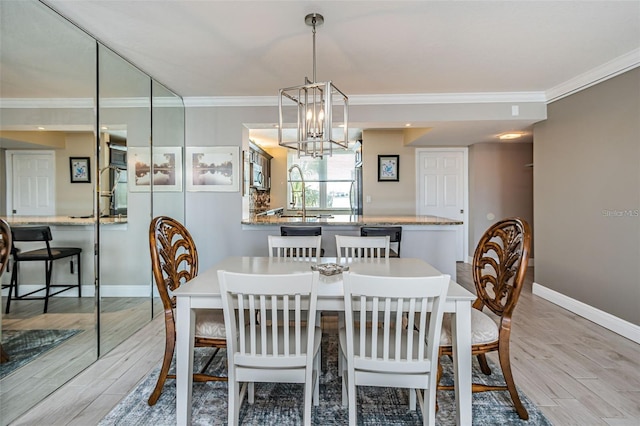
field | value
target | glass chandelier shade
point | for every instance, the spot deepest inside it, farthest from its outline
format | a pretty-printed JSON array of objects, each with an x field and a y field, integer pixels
[{"x": 316, "y": 108}]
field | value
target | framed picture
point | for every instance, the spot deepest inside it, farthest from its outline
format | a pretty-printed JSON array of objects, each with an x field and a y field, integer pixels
[
  {"x": 80, "y": 169},
  {"x": 388, "y": 168},
  {"x": 213, "y": 168},
  {"x": 164, "y": 169}
]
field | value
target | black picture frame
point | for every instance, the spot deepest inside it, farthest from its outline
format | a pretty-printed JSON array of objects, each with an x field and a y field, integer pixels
[
  {"x": 388, "y": 168},
  {"x": 80, "y": 169}
]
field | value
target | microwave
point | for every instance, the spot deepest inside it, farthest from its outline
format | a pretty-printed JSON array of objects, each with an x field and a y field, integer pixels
[{"x": 257, "y": 178}]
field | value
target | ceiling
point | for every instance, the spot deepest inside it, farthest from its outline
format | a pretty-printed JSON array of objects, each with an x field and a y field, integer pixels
[{"x": 211, "y": 49}]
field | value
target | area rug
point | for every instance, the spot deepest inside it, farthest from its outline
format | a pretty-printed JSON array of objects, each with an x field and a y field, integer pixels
[
  {"x": 23, "y": 346},
  {"x": 280, "y": 404}
]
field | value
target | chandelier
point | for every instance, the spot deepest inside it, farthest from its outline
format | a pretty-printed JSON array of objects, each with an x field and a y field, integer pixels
[{"x": 318, "y": 107}]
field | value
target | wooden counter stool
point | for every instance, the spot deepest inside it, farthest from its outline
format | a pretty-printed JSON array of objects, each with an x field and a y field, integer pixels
[{"x": 46, "y": 254}]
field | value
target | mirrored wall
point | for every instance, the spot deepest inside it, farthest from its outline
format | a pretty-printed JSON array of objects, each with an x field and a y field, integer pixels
[{"x": 64, "y": 98}]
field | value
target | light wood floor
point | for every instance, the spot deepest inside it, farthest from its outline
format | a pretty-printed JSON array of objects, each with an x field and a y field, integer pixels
[
  {"x": 577, "y": 372},
  {"x": 120, "y": 318}
]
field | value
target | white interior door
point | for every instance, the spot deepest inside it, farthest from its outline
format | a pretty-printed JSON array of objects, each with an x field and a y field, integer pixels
[
  {"x": 442, "y": 188},
  {"x": 30, "y": 191}
]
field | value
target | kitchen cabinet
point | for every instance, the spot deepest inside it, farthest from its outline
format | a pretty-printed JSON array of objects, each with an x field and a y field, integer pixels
[{"x": 261, "y": 163}]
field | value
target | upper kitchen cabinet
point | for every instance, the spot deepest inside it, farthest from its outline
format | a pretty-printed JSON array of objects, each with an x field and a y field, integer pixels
[{"x": 260, "y": 168}]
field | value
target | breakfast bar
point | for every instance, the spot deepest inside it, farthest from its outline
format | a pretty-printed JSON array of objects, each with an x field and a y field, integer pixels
[{"x": 430, "y": 238}]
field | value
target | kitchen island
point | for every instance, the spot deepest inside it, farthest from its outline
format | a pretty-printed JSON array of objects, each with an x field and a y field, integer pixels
[
  {"x": 63, "y": 220},
  {"x": 431, "y": 238},
  {"x": 70, "y": 231}
]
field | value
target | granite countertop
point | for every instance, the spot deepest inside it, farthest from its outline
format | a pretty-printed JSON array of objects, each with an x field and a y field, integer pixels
[
  {"x": 62, "y": 220},
  {"x": 350, "y": 220}
]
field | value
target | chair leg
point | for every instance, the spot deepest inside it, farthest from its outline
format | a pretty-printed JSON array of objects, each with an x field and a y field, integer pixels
[
  {"x": 316, "y": 379},
  {"x": 4, "y": 357},
  {"x": 309, "y": 387},
  {"x": 169, "y": 348},
  {"x": 484, "y": 366},
  {"x": 505, "y": 364},
  {"x": 79, "y": 277},
  {"x": 353, "y": 409},
  {"x": 251, "y": 393},
  {"x": 429, "y": 406},
  {"x": 48, "y": 273},
  {"x": 13, "y": 286},
  {"x": 233, "y": 409},
  {"x": 412, "y": 399}
]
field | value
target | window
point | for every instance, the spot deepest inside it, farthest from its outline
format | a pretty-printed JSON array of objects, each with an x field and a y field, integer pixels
[{"x": 328, "y": 181}]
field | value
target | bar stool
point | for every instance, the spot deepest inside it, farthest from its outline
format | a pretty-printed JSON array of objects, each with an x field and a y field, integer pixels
[
  {"x": 394, "y": 233},
  {"x": 302, "y": 231},
  {"x": 46, "y": 254}
]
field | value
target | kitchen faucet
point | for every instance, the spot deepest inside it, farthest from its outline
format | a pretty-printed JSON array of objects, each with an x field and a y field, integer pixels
[{"x": 293, "y": 192}]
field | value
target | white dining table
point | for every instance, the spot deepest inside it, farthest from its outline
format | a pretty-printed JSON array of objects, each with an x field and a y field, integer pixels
[{"x": 204, "y": 292}]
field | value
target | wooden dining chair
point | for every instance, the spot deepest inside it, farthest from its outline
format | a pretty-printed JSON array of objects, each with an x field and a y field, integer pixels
[
  {"x": 302, "y": 248},
  {"x": 349, "y": 247},
  {"x": 281, "y": 347},
  {"x": 499, "y": 267},
  {"x": 5, "y": 250},
  {"x": 385, "y": 352},
  {"x": 174, "y": 260}
]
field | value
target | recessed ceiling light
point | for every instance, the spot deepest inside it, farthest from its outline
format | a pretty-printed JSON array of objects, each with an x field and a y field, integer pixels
[
  {"x": 407, "y": 125},
  {"x": 40, "y": 128},
  {"x": 509, "y": 136},
  {"x": 104, "y": 128}
]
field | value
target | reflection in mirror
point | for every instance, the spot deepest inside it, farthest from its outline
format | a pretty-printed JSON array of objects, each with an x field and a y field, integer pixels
[
  {"x": 167, "y": 113},
  {"x": 125, "y": 271},
  {"x": 47, "y": 111}
]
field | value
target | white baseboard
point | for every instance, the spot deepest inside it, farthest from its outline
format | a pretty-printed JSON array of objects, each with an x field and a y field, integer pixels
[
  {"x": 606, "y": 320},
  {"x": 89, "y": 291}
]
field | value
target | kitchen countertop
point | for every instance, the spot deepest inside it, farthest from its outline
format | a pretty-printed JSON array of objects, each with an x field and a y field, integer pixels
[
  {"x": 62, "y": 220},
  {"x": 350, "y": 220}
]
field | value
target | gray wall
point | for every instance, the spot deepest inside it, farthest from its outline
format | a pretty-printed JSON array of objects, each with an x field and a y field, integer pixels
[
  {"x": 587, "y": 196},
  {"x": 214, "y": 217},
  {"x": 500, "y": 184}
]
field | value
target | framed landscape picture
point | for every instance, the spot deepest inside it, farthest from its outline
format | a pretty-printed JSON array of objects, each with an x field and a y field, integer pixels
[
  {"x": 213, "y": 168},
  {"x": 388, "y": 168},
  {"x": 167, "y": 169},
  {"x": 80, "y": 169}
]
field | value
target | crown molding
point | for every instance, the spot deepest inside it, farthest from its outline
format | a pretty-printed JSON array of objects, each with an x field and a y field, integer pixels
[
  {"x": 403, "y": 99},
  {"x": 597, "y": 75},
  {"x": 608, "y": 70},
  {"x": 447, "y": 98},
  {"x": 230, "y": 101},
  {"x": 84, "y": 103},
  {"x": 34, "y": 103}
]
